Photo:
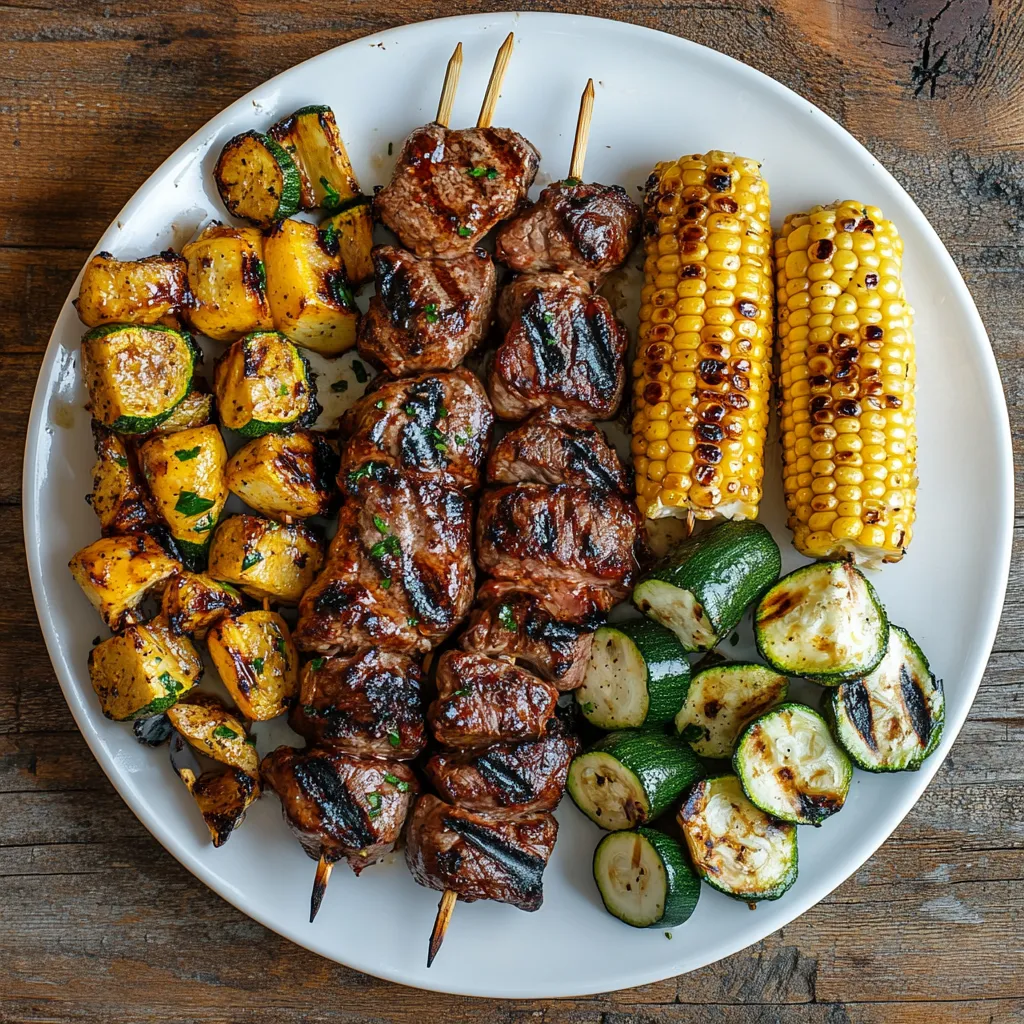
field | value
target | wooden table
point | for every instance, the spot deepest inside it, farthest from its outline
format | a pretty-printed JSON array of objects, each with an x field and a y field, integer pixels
[{"x": 92, "y": 98}]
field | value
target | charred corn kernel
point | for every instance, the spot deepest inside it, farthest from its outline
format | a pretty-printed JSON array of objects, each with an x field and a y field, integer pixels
[
  {"x": 705, "y": 339},
  {"x": 849, "y": 369}
]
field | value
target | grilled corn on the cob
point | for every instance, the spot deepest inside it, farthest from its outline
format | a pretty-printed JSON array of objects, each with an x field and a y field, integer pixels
[
  {"x": 847, "y": 384},
  {"x": 701, "y": 378}
]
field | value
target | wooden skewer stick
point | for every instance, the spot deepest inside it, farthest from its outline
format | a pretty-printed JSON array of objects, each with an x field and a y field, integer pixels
[
  {"x": 451, "y": 83},
  {"x": 579, "y": 145},
  {"x": 320, "y": 880},
  {"x": 691, "y": 521},
  {"x": 444, "y": 916},
  {"x": 494, "y": 85}
]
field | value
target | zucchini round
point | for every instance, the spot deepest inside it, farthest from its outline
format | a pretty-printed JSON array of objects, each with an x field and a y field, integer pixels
[
  {"x": 722, "y": 700},
  {"x": 823, "y": 621},
  {"x": 707, "y": 582},
  {"x": 644, "y": 879},
  {"x": 630, "y": 777},
  {"x": 791, "y": 767},
  {"x": 735, "y": 847},
  {"x": 136, "y": 374},
  {"x": 637, "y": 674},
  {"x": 264, "y": 384},
  {"x": 892, "y": 719},
  {"x": 257, "y": 179}
]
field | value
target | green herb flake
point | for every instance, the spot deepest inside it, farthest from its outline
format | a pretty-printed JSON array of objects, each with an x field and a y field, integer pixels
[
  {"x": 402, "y": 787},
  {"x": 259, "y": 272},
  {"x": 410, "y": 410},
  {"x": 360, "y": 371},
  {"x": 250, "y": 740},
  {"x": 508, "y": 619},
  {"x": 465, "y": 232},
  {"x": 442, "y": 412},
  {"x": 381, "y": 524},
  {"x": 379, "y": 404},
  {"x": 587, "y": 708},
  {"x": 391, "y": 779},
  {"x": 431, "y": 310},
  {"x": 668, "y": 935},
  {"x": 257, "y": 663},
  {"x": 340, "y": 290},
  {"x": 282, "y": 390},
  {"x": 390, "y": 545},
  {"x": 549, "y": 318},
  {"x": 340, "y": 385},
  {"x": 309, "y": 710},
  {"x": 281, "y": 648},
  {"x": 394, "y": 739},
  {"x": 122, "y": 461},
  {"x": 251, "y": 559},
  {"x": 203, "y": 525},
  {"x": 366, "y": 469},
  {"x": 373, "y": 799},
  {"x": 171, "y": 685},
  {"x": 459, "y": 439},
  {"x": 186, "y": 454},
  {"x": 385, "y": 583},
  {"x": 464, "y": 692},
  {"x": 476, "y": 172},
  {"x": 492, "y": 173},
  {"x": 191, "y": 504},
  {"x": 317, "y": 663},
  {"x": 412, "y": 620},
  {"x": 224, "y": 732},
  {"x": 329, "y": 238},
  {"x": 331, "y": 200},
  {"x": 571, "y": 181},
  {"x": 693, "y": 733}
]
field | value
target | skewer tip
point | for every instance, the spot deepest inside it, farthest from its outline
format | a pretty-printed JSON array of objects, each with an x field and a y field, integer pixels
[
  {"x": 451, "y": 84},
  {"x": 444, "y": 916},
  {"x": 320, "y": 880},
  {"x": 579, "y": 143},
  {"x": 494, "y": 84}
]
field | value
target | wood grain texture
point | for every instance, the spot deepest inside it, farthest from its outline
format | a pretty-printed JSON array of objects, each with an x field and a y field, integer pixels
[{"x": 92, "y": 97}]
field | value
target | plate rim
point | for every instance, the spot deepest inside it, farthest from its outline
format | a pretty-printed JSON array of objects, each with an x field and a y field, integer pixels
[{"x": 519, "y": 21}]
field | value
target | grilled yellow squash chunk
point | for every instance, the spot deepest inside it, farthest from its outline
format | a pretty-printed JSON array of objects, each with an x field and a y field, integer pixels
[
  {"x": 194, "y": 410},
  {"x": 116, "y": 573},
  {"x": 192, "y": 602},
  {"x": 148, "y": 291},
  {"x": 228, "y": 283},
  {"x": 311, "y": 137},
  {"x": 310, "y": 295},
  {"x": 349, "y": 233},
  {"x": 118, "y": 496},
  {"x": 264, "y": 384},
  {"x": 257, "y": 662},
  {"x": 266, "y": 559},
  {"x": 143, "y": 670},
  {"x": 185, "y": 474},
  {"x": 285, "y": 475},
  {"x": 213, "y": 731}
]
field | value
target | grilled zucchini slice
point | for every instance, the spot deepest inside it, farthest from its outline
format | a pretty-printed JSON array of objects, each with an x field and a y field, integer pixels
[
  {"x": 185, "y": 474},
  {"x": 735, "y": 847},
  {"x": 266, "y": 559},
  {"x": 136, "y": 374},
  {"x": 257, "y": 179},
  {"x": 310, "y": 296},
  {"x": 194, "y": 410},
  {"x": 118, "y": 496},
  {"x": 823, "y": 621},
  {"x": 312, "y": 139},
  {"x": 637, "y": 674},
  {"x": 722, "y": 700},
  {"x": 791, "y": 767},
  {"x": 892, "y": 719},
  {"x": 349, "y": 234},
  {"x": 707, "y": 582},
  {"x": 148, "y": 291},
  {"x": 630, "y": 777},
  {"x": 285, "y": 475},
  {"x": 644, "y": 879},
  {"x": 228, "y": 281},
  {"x": 263, "y": 384},
  {"x": 143, "y": 670},
  {"x": 192, "y": 602},
  {"x": 257, "y": 662},
  {"x": 116, "y": 573}
]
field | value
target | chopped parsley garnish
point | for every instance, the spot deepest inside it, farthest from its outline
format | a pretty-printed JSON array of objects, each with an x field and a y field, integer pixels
[
  {"x": 257, "y": 663},
  {"x": 259, "y": 271},
  {"x": 373, "y": 799},
  {"x": 464, "y": 692},
  {"x": 282, "y": 390},
  {"x": 476, "y": 172},
  {"x": 431, "y": 310},
  {"x": 340, "y": 385},
  {"x": 507, "y": 619},
  {"x": 366, "y": 469},
  {"x": 224, "y": 732},
  {"x": 279, "y": 646},
  {"x": 492, "y": 173},
  {"x": 571, "y": 181},
  {"x": 329, "y": 238},
  {"x": 412, "y": 620},
  {"x": 459, "y": 439},
  {"x": 382, "y": 526},
  {"x": 400, "y": 784},
  {"x": 360, "y": 371},
  {"x": 251, "y": 740},
  {"x": 121, "y": 460},
  {"x": 393, "y": 738},
  {"x": 588, "y": 707},
  {"x": 251, "y": 559},
  {"x": 550, "y": 339},
  {"x": 693, "y": 732},
  {"x": 340, "y": 290},
  {"x": 385, "y": 583},
  {"x": 465, "y": 232},
  {"x": 331, "y": 200},
  {"x": 171, "y": 685},
  {"x": 191, "y": 504},
  {"x": 309, "y": 710},
  {"x": 317, "y": 664},
  {"x": 442, "y": 412},
  {"x": 388, "y": 546},
  {"x": 410, "y": 410},
  {"x": 379, "y": 404},
  {"x": 439, "y": 440},
  {"x": 186, "y": 454},
  {"x": 203, "y": 525},
  {"x": 549, "y": 318}
]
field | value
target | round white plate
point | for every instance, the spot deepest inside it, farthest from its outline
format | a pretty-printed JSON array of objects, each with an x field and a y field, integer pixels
[{"x": 657, "y": 97}]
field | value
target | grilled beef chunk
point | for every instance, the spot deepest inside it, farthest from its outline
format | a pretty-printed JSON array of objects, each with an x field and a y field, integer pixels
[
  {"x": 449, "y": 188},
  {"x": 586, "y": 230},
  {"x": 511, "y": 777},
  {"x": 368, "y": 705},
  {"x": 428, "y": 314},
  {"x": 482, "y": 700},
  {"x": 436, "y": 425},
  {"x": 520, "y": 625},
  {"x": 494, "y": 856},
  {"x": 563, "y": 347},
  {"x": 339, "y": 805},
  {"x": 399, "y": 573},
  {"x": 561, "y": 599},
  {"x": 545, "y": 450},
  {"x": 574, "y": 535}
]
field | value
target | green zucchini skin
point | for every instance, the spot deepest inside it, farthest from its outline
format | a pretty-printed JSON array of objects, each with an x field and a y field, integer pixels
[
  {"x": 682, "y": 887},
  {"x": 291, "y": 181},
  {"x": 257, "y": 428},
  {"x": 657, "y": 767},
  {"x": 725, "y": 570},
  {"x": 903, "y": 685},
  {"x": 658, "y": 685},
  {"x": 866, "y": 630},
  {"x": 193, "y": 556}
]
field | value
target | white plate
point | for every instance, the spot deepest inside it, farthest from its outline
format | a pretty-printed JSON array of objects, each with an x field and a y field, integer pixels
[{"x": 657, "y": 96}]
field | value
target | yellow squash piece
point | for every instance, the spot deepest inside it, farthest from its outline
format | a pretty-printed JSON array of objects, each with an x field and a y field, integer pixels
[
  {"x": 257, "y": 662},
  {"x": 194, "y": 410},
  {"x": 312, "y": 139},
  {"x": 143, "y": 670},
  {"x": 228, "y": 282},
  {"x": 148, "y": 291},
  {"x": 702, "y": 376},
  {"x": 351, "y": 230},
  {"x": 118, "y": 496},
  {"x": 310, "y": 295},
  {"x": 117, "y": 572},
  {"x": 848, "y": 372},
  {"x": 192, "y": 602},
  {"x": 213, "y": 731},
  {"x": 266, "y": 559}
]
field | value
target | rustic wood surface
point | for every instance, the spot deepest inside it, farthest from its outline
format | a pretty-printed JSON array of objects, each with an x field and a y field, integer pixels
[{"x": 92, "y": 97}]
